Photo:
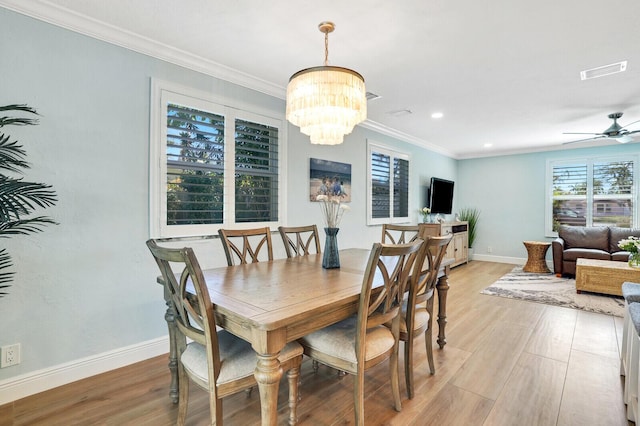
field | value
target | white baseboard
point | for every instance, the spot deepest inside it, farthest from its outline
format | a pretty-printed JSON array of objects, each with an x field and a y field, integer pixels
[
  {"x": 499, "y": 259},
  {"x": 504, "y": 259},
  {"x": 19, "y": 387}
]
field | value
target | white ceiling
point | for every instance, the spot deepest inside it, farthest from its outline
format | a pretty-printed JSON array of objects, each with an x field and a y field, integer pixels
[{"x": 504, "y": 72}]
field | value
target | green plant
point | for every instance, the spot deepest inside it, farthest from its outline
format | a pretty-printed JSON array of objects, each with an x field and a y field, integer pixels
[
  {"x": 470, "y": 215},
  {"x": 18, "y": 198}
]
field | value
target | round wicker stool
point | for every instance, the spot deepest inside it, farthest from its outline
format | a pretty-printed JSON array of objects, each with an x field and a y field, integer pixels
[{"x": 536, "y": 252}]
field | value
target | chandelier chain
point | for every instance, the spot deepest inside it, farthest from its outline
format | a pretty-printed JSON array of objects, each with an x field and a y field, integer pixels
[{"x": 326, "y": 48}]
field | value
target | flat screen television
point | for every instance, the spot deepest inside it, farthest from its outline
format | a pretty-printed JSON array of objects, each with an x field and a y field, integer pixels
[{"x": 441, "y": 195}]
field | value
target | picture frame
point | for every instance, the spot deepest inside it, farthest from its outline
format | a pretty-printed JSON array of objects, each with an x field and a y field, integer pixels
[{"x": 329, "y": 178}]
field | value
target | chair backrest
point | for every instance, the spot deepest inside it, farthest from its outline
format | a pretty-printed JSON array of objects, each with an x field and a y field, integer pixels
[
  {"x": 425, "y": 271},
  {"x": 190, "y": 297},
  {"x": 299, "y": 240},
  {"x": 399, "y": 234},
  {"x": 389, "y": 267},
  {"x": 253, "y": 241}
]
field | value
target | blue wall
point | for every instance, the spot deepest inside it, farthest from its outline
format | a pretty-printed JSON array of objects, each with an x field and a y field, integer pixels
[{"x": 510, "y": 192}]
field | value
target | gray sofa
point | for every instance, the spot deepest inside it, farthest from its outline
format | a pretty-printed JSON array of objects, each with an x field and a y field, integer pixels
[{"x": 600, "y": 242}]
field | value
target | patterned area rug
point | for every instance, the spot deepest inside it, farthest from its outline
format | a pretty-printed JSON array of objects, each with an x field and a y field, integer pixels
[{"x": 550, "y": 290}]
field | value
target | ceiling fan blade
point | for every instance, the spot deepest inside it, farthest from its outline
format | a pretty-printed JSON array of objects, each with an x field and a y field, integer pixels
[
  {"x": 573, "y": 133},
  {"x": 584, "y": 140},
  {"x": 637, "y": 121},
  {"x": 624, "y": 138}
]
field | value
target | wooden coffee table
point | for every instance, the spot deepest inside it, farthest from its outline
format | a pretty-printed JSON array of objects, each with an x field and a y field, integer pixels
[{"x": 604, "y": 276}]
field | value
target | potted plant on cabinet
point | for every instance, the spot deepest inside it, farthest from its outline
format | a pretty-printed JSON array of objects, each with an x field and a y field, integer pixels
[
  {"x": 18, "y": 198},
  {"x": 470, "y": 215}
]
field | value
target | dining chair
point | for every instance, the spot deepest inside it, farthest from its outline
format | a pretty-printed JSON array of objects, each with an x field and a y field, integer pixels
[
  {"x": 399, "y": 234},
  {"x": 416, "y": 315},
  {"x": 215, "y": 360},
  {"x": 362, "y": 341},
  {"x": 299, "y": 240},
  {"x": 247, "y": 246}
]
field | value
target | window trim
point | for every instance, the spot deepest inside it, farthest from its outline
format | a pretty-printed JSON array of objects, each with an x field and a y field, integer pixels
[
  {"x": 373, "y": 146},
  {"x": 163, "y": 92},
  {"x": 589, "y": 161}
]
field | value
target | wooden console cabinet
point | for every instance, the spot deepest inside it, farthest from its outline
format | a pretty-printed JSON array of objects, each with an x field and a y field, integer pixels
[{"x": 457, "y": 249}]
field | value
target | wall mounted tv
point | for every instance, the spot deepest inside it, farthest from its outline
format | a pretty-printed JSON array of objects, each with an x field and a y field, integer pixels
[{"x": 440, "y": 195}]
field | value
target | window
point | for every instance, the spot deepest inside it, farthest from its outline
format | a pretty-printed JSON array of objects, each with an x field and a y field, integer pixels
[
  {"x": 591, "y": 192},
  {"x": 213, "y": 166},
  {"x": 388, "y": 185}
]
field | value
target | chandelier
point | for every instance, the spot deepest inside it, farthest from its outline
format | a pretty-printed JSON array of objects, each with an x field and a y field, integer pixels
[{"x": 326, "y": 102}]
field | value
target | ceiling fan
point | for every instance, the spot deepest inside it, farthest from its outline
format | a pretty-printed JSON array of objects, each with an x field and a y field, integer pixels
[{"x": 615, "y": 131}]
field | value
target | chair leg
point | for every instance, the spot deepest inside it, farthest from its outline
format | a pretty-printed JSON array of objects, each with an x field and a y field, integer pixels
[
  {"x": 183, "y": 401},
  {"x": 428, "y": 340},
  {"x": 358, "y": 397},
  {"x": 408, "y": 366},
  {"x": 395, "y": 381},
  {"x": 292, "y": 377}
]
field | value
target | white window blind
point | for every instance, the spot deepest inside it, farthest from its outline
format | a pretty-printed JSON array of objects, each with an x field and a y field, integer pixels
[
  {"x": 388, "y": 185},
  {"x": 592, "y": 192},
  {"x": 213, "y": 166}
]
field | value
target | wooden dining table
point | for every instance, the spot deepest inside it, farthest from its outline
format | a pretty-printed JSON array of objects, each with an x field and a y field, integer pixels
[{"x": 272, "y": 303}]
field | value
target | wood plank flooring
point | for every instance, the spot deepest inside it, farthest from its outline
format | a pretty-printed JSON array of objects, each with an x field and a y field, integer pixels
[{"x": 506, "y": 362}]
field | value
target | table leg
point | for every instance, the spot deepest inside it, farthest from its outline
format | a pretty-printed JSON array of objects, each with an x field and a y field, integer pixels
[
  {"x": 268, "y": 373},
  {"x": 443, "y": 288}
]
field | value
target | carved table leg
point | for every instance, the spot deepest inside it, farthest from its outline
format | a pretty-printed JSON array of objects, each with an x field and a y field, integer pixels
[
  {"x": 443, "y": 288},
  {"x": 268, "y": 373}
]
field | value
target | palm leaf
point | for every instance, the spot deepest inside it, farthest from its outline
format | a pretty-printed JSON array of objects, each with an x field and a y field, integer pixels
[
  {"x": 18, "y": 121},
  {"x": 19, "y": 198},
  {"x": 12, "y": 155},
  {"x": 25, "y": 226},
  {"x": 5, "y": 277}
]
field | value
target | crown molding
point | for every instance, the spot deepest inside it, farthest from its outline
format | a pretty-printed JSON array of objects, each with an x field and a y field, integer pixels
[
  {"x": 381, "y": 128},
  {"x": 51, "y": 13}
]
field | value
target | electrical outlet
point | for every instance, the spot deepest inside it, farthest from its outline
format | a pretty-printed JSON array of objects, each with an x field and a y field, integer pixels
[
  {"x": 10, "y": 355},
  {"x": 489, "y": 249}
]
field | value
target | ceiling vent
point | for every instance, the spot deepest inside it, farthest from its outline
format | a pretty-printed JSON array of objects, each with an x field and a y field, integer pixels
[
  {"x": 372, "y": 96},
  {"x": 604, "y": 70},
  {"x": 400, "y": 112}
]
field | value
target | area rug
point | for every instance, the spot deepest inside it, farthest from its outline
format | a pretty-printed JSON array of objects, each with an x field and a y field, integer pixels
[{"x": 551, "y": 290}]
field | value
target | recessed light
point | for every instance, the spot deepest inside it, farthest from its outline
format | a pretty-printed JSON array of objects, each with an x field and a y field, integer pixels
[
  {"x": 437, "y": 115},
  {"x": 488, "y": 145}
]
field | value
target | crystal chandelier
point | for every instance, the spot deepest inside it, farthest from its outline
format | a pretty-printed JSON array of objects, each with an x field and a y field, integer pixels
[{"x": 326, "y": 102}]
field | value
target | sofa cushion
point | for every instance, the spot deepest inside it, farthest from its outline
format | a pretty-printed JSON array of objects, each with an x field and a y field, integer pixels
[
  {"x": 572, "y": 255},
  {"x": 620, "y": 256},
  {"x": 617, "y": 234},
  {"x": 585, "y": 237}
]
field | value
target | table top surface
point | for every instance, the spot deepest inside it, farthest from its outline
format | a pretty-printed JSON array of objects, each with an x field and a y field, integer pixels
[
  {"x": 536, "y": 243},
  {"x": 605, "y": 264},
  {"x": 269, "y": 294}
]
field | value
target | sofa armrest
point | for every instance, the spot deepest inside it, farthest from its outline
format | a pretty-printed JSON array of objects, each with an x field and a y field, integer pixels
[{"x": 558, "y": 248}]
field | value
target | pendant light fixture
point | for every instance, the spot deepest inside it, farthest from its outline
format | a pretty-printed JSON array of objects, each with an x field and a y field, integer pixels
[{"x": 326, "y": 102}]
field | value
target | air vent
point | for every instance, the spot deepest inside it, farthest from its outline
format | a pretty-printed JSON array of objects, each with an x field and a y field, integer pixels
[
  {"x": 372, "y": 96},
  {"x": 604, "y": 70},
  {"x": 400, "y": 112}
]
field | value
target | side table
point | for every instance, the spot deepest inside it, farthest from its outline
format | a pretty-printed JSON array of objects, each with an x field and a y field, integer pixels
[{"x": 536, "y": 252}]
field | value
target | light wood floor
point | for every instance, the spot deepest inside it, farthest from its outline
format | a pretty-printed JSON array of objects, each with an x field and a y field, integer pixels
[{"x": 506, "y": 362}]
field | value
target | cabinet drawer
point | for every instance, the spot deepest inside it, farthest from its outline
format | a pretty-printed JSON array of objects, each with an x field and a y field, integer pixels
[{"x": 446, "y": 230}]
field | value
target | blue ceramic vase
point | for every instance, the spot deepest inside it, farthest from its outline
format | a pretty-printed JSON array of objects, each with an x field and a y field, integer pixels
[{"x": 331, "y": 258}]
